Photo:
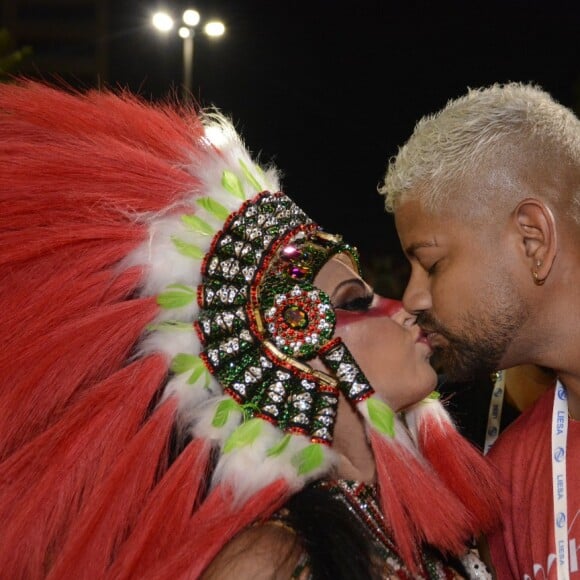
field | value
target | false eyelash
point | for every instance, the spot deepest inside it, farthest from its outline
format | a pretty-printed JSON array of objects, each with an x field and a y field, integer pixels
[{"x": 358, "y": 304}]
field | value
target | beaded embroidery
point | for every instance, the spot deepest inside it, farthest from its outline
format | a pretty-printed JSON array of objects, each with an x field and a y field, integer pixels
[
  {"x": 361, "y": 501},
  {"x": 261, "y": 316}
]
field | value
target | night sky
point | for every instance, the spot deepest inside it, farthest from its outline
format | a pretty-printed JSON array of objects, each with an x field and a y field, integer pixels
[{"x": 328, "y": 93}]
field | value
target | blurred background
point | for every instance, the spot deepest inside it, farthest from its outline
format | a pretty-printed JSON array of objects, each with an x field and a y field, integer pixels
[{"x": 326, "y": 93}]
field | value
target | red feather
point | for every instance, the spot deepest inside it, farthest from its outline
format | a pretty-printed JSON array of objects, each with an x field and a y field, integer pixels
[
  {"x": 45, "y": 483},
  {"x": 112, "y": 511},
  {"x": 164, "y": 520},
  {"x": 216, "y": 522},
  {"x": 417, "y": 506},
  {"x": 473, "y": 478}
]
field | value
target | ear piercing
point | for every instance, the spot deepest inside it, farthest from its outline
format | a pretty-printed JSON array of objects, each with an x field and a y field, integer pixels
[{"x": 537, "y": 280}]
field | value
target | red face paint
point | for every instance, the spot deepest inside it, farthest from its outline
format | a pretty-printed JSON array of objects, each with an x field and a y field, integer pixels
[
  {"x": 382, "y": 308},
  {"x": 387, "y": 306}
]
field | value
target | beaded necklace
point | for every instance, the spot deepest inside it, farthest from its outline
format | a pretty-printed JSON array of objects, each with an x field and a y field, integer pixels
[{"x": 361, "y": 501}]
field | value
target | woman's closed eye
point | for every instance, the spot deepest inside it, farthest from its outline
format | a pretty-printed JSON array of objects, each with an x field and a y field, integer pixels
[
  {"x": 353, "y": 295},
  {"x": 357, "y": 304}
]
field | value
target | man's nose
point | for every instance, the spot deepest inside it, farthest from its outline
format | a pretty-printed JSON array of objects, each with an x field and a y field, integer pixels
[{"x": 417, "y": 296}]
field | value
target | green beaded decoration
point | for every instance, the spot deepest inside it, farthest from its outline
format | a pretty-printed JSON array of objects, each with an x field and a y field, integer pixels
[{"x": 261, "y": 315}]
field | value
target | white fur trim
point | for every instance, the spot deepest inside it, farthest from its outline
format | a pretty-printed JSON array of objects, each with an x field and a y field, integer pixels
[
  {"x": 203, "y": 416},
  {"x": 433, "y": 407},
  {"x": 171, "y": 342},
  {"x": 250, "y": 469},
  {"x": 190, "y": 397},
  {"x": 402, "y": 436}
]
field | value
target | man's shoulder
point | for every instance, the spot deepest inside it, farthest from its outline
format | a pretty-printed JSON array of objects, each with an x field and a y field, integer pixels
[{"x": 525, "y": 431}]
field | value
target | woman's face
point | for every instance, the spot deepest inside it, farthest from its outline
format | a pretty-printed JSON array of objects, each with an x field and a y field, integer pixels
[{"x": 383, "y": 338}]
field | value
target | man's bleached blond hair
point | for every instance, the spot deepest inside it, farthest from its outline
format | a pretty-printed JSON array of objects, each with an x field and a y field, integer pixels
[{"x": 477, "y": 128}]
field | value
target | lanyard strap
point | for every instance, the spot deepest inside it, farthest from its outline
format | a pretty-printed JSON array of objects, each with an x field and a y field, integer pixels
[
  {"x": 559, "y": 492},
  {"x": 495, "y": 408}
]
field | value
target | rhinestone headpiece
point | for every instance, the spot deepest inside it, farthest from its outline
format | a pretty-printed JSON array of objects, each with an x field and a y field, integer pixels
[{"x": 261, "y": 317}]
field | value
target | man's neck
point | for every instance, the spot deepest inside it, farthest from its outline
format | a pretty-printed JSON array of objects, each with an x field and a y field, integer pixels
[
  {"x": 524, "y": 384},
  {"x": 572, "y": 384}
]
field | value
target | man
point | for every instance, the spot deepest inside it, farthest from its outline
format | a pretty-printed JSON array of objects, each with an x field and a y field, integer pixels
[{"x": 486, "y": 199}]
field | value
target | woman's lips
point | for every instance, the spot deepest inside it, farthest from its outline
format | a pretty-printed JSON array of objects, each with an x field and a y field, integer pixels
[{"x": 424, "y": 338}]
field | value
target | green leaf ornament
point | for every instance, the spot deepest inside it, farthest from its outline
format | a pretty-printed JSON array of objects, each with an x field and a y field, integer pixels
[
  {"x": 197, "y": 225},
  {"x": 186, "y": 249},
  {"x": 381, "y": 416},
  {"x": 214, "y": 208},
  {"x": 170, "y": 325},
  {"x": 233, "y": 185},
  {"x": 198, "y": 371},
  {"x": 223, "y": 412},
  {"x": 279, "y": 447},
  {"x": 176, "y": 296},
  {"x": 244, "y": 435},
  {"x": 251, "y": 179},
  {"x": 308, "y": 459},
  {"x": 183, "y": 362}
]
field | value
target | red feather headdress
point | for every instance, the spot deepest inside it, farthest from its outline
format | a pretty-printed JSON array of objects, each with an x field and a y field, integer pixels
[{"x": 130, "y": 439}]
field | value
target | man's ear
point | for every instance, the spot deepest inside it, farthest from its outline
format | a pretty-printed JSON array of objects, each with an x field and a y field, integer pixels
[{"x": 537, "y": 227}]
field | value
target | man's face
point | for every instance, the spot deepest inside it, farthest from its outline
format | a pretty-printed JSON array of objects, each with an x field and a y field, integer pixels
[{"x": 460, "y": 289}]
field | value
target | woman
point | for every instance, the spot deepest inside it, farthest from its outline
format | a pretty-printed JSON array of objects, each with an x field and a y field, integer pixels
[{"x": 200, "y": 383}]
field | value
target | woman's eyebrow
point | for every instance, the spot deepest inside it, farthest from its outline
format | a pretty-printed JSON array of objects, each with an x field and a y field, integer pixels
[{"x": 351, "y": 281}]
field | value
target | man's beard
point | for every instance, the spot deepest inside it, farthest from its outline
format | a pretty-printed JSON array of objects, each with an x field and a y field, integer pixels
[{"x": 482, "y": 342}]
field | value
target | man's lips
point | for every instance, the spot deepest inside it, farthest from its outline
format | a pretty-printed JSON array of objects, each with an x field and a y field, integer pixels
[{"x": 433, "y": 337}]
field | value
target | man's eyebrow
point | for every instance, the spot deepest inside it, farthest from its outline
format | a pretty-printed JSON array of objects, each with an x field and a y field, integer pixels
[{"x": 411, "y": 249}]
